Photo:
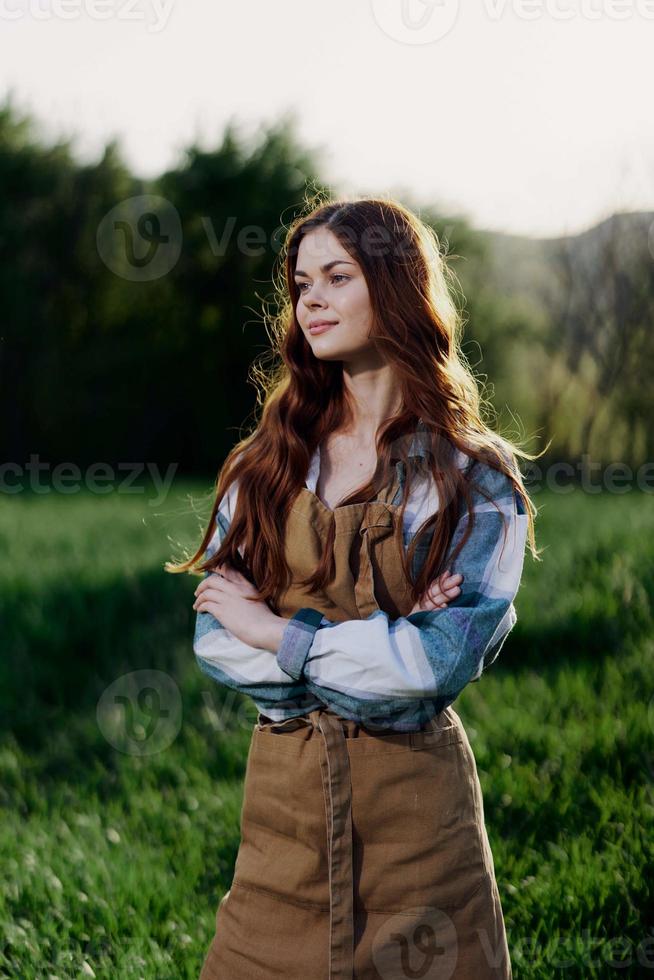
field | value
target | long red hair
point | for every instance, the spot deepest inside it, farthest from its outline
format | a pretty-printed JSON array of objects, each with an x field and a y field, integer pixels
[{"x": 417, "y": 328}]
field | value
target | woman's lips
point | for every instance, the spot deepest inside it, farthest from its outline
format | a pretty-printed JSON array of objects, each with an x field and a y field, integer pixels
[{"x": 321, "y": 328}]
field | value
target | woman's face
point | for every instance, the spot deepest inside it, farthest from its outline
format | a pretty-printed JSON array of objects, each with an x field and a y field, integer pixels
[{"x": 332, "y": 287}]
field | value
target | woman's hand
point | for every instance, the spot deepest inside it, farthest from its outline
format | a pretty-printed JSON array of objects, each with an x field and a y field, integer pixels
[
  {"x": 223, "y": 594},
  {"x": 441, "y": 590}
]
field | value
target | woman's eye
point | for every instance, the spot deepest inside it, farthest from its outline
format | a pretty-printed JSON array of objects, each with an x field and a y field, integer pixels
[{"x": 337, "y": 275}]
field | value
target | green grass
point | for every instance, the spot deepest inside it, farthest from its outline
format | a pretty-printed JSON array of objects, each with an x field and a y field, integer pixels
[{"x": 117, "y": 859}]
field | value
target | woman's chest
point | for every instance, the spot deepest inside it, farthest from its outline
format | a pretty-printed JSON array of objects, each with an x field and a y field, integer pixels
[
  {"x": 365, "y": 544},
  {"x": 342, "y": 468}
]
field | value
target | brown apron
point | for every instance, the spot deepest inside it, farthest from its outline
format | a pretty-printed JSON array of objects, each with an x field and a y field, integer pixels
[{"x": 364, "y": 853}]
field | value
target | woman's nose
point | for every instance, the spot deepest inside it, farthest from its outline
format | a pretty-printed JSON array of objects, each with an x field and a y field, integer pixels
[{"x": 314, "y": 300}]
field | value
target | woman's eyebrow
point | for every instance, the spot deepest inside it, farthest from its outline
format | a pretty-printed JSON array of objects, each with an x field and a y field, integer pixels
[{"x": 326, "y": 267}]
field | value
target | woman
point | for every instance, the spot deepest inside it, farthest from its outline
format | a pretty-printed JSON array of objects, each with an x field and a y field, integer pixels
[{"x": 364, "y": 575}]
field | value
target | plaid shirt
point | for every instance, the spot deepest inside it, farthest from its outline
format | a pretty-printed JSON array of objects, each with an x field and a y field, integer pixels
[{"x": 385, "y": 673}]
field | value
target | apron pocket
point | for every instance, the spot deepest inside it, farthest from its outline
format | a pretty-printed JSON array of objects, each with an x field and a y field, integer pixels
[
  {"x": 418, "y": 826},
  {"x": 283, "y": 847}
]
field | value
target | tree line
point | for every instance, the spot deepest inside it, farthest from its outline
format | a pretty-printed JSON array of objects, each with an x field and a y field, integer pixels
[{"x": 107, "y": 356}]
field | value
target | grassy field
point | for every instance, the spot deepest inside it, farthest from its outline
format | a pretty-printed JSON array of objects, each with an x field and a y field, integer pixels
[{"x": 115, "y": 856}]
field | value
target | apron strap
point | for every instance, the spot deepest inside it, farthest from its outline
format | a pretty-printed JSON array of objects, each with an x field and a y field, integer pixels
[
  {"x": 337, "y": 789},
  {"x": 377, "y": 523}
]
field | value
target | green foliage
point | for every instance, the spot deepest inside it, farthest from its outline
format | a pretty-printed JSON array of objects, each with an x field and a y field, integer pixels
[
  {"x": 99, "y": 360},
  {"x": 117, "y": 369}
]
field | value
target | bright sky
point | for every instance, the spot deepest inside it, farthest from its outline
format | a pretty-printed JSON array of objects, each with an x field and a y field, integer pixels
[{"x": 531, "y": 116}]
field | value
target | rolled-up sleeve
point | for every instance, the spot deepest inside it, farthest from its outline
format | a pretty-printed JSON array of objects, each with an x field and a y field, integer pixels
[{"x": 231, "y": 662}]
